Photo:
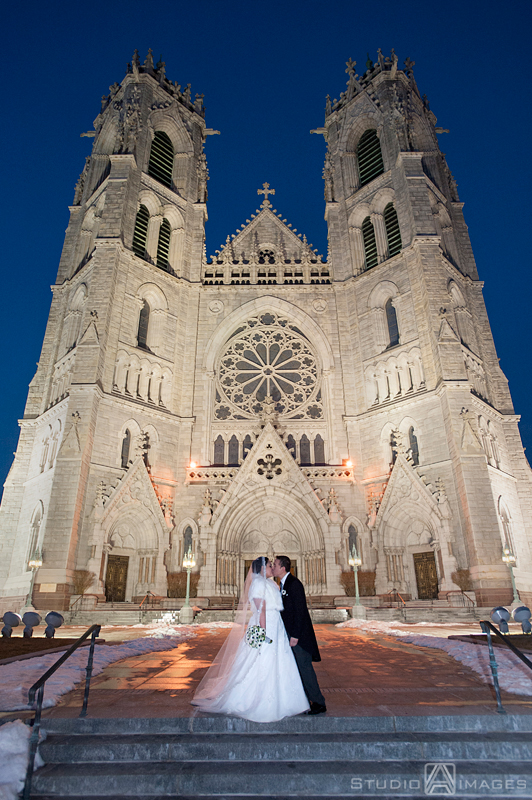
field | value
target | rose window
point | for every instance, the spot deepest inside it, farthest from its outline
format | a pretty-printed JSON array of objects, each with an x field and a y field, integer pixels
[{"x": 268, "y": 357}]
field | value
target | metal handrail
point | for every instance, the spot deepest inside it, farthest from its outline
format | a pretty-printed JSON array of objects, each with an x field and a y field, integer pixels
[
  {"x": 148, "y": 594},
  {"x": 488, "y": 628},
  {"x": 396, "y": 594},
  {"x": 462, "y": 594},
  {"x": 38, "y": 688}
]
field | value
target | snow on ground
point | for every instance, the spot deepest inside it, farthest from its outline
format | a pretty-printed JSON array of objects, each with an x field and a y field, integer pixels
[
  {"x": 16, "y": 678},
  {"x": 514, "y": 676},
  {"x": 14, "y": 748}
]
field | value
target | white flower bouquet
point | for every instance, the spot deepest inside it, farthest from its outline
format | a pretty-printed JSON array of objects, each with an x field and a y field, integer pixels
[{"x": 256, "y": 636}]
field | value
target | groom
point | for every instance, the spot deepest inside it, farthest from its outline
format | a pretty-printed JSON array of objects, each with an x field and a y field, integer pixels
[{"x": 299, "y": 628}]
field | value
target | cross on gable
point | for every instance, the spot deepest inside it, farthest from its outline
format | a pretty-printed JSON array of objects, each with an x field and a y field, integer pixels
[
  {"x": 265, "y": 191},
  {"x": 351, "y": 67}
]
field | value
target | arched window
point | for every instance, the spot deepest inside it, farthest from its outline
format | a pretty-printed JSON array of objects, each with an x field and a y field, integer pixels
[
  {"x": 35, "y": 527},
  {"x": 187, "y": 540},
  {"x": 304, "y": 450},
  {"x": 393, "y": 234},
  {"x": 219, "y": 451},
  {"x": 161, "y": 164},
  {"x": 163, "y": 246},
  {"x": 319, "y": 450},
  {"x": 140, "y": 234},
  {"x": 126, "y": 444},
  {"x": 391, "y": 321},
  {"x": 232, "y": 459},
  {"x": 508, "y": 539},
  {"x": 144, "y": 321},
  {"x": 370, "y": 244},
  {"x": 246, "y": 445},
  {"x": 291, "y": 445},
  {"x": 414, "y": 447},
  {"x": 354, "y": 541},
  {"x": 369, "y": 157}
]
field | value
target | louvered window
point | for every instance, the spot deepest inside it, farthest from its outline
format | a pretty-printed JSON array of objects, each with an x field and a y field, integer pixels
[
  {"x": 391, "y": 319},
  {"x": 369, "y": 157},
  {"x": 161, "y": 164},
  {"x": 393, "y": 234},
  {"x": 140, "y": 234},
  {"x": 144, "y": 321},
  {"x": 163, "y": 246},
  {"x": 370, "y": 244}
]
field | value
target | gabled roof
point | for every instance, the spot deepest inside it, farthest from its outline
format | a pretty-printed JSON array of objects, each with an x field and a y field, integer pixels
[{"x": 266, "y": 230}]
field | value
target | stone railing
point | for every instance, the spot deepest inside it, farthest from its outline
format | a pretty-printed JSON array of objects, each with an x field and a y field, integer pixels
[
  {"x": 329, "y": 473},
  {"x": 210, "y": 474}
]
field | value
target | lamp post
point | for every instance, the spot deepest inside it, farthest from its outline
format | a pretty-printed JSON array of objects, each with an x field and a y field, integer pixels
[
  {"x": 355, "y": 561},
  {"x": 509, "y": 559},
  {"x": 34, "y": 563},
  {"x": 186, "y": 615}
]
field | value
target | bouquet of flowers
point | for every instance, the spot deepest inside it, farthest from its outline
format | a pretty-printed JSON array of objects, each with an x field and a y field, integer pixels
[{"x": 256, "y": 636}]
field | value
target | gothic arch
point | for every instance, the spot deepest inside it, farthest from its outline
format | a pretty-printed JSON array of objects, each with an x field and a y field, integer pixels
[
  {"x": 381, "y": 293},
  {"x": 233, "y": 523},
  {"x": 161, "y": 121},
  {"x": 35, "y": 532},
  {"x": 135, "y": 430},
  {"x": 258, "y": 306},
  {"x": 149, "y": 199},
  {"x": 382, "y": 198}
]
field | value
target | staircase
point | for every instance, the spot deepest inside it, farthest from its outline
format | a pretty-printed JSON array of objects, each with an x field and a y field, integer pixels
[{"x": 315, "y": 757}]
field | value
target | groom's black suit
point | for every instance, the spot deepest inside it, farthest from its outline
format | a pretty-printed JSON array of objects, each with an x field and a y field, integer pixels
[{"x": 298, "y": 625}]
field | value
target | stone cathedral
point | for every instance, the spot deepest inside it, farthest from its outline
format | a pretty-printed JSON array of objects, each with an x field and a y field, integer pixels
[{"x": 267, "y": 399}]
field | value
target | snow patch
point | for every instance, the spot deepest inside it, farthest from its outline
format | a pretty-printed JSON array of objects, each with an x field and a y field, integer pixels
[
  {"x": 514, "y": 676},
  {"x": 14, "y": 748},
  {"x": 16, "y": 678}
]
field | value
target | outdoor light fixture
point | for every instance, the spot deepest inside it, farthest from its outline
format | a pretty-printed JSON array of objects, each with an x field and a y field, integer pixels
[
  {"x": 30, "y": 619},
  {"x": 355, "y": 561},
  {"x": 54, "y": 620},
  {"x": 501, "y": 615},
  {"x": 193, "y": 465},
  {"x": 510, "y": 561},
  {"x": 188, "y": 563},
  {"x": 349, "y": 463},
  {"x": 10, "y": 620},
  {"x": 34, "y": 562},
  {"x": 522, "y": 614}
]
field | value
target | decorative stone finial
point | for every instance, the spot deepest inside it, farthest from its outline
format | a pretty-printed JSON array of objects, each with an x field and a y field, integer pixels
[{"x": 266, "y": 191}]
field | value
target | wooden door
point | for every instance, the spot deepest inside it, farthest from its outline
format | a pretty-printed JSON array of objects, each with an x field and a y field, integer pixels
[
  {"x": 426, "y": 575},
  {"x": 115, "y": 579}
]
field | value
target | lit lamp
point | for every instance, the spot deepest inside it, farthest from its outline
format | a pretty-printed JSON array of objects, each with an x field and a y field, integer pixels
[
  {"x": 355, "y": 561},
  {"x": 186, "y": 615},
  {"x": 34, "y": 563},
  {"x": 509, "y": 559}
]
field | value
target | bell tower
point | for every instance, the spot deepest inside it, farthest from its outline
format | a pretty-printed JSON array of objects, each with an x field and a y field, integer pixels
[
  {"x": 115, "y": 342},
  {"x": 425, "y": 372}
]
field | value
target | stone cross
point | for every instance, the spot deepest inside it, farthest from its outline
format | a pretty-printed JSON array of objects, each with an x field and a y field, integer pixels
[{"x": 265, "y": 191}]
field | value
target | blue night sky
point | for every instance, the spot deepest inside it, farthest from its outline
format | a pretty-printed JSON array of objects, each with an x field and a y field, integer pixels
[{"x": 265, "y": 69}]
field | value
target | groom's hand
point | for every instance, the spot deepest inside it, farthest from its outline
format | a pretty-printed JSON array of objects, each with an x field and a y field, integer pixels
[{"x": 293, "y": 641}]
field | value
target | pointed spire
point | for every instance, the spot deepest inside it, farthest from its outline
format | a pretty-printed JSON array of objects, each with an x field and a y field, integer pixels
[
  {"x": 149, "y": 60},
  {"x": 369, "y": 63}
]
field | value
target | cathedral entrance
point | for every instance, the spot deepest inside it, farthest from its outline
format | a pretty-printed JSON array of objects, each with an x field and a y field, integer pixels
[
  {"x": 248, "y": 562},
  {"x": 426, "y": 575},
  {"x": 116, "y": 578}
]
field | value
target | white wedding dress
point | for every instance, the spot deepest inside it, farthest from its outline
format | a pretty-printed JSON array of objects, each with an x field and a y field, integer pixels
[{"x": 263, "y": 684}]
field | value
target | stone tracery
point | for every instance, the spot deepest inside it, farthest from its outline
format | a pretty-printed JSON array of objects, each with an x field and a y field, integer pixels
[{"x": 267, "y": 356}]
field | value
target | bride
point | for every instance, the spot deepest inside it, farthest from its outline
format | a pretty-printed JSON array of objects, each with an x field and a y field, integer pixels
[{"x": 255, "y": 675}]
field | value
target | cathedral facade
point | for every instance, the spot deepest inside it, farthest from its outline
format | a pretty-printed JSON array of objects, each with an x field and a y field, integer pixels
[{"x": 267, "y": 400}]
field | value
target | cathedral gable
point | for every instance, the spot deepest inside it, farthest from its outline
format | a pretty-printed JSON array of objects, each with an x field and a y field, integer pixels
[
  {"x": 269, "y": 466},
  {"x": 135, "y": 490}
]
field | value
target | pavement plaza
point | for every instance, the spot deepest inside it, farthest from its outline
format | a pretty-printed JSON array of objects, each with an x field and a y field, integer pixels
[{"x": 361, "y": 674}]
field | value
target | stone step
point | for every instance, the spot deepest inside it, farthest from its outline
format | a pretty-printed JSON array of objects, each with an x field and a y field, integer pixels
[
  {"x": 474, "y": 723},
  {"x": 273, "y": 779},
  {"x": 287, "y": 747}
]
